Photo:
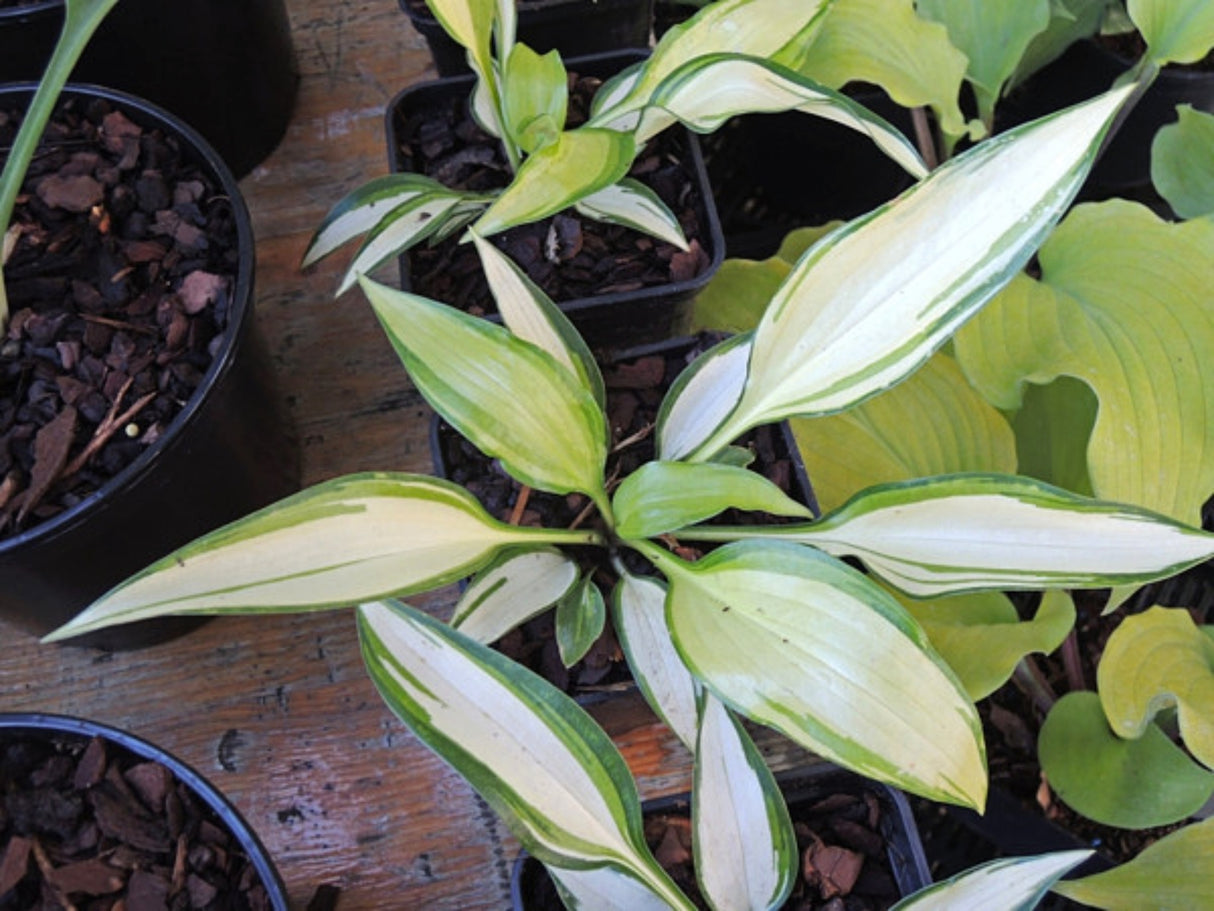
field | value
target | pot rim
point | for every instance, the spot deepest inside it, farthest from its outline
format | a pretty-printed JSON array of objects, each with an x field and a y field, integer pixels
[
  {"x": 240, "y": 306},
  {"x": 38, "y": 8},
  {"x": 211, "y": 795}
]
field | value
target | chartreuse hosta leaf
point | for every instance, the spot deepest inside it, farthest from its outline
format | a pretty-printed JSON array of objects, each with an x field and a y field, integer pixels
[
  {"x": 1008, "y": 884},
  {"x": 754, "y": 28},
  {"x": 1123, "y": 306},
  {"x": 470, "y": 23},
  {"x": 1173, "y": 874},
  {"x": 535, "y": 97},
  {"x": 707, "y": 91},
  {"x": 743, "y": 842},
  {"x": 1176, "y": 31},
  {"x": 531, "y": 315},
  {"x": 883, "y": 42},
  {"x": 662, "y": 496},
  {"x": 1155, "y": 660},
  {"x": 350, "y": 539},
  {"x": 1181, "y": 165},
  {"x": 993, "y": 36},
  {"x": 629, "y": 202},
  {"x": 502, "y": 393},
  {"x": 823, "y": 655},
  {"x": 937, "y": 536},
  {"x": 859, "y": 311},
  {"x": 981, "y": 637},
  {"x": 539, "y": 760},
  {"x": 511, "y": 590},
  {"x": 1070, "y": 20},
  {"x": 580, "y": 162},
  {"x": 580, "y": 616},
  {"x": 639, "y": 614},
  {"x": 1130, "y": 784}
]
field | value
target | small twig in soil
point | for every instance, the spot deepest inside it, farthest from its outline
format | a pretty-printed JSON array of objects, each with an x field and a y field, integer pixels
[
  {"x": 47, "y": 869},
  {"x": 1072, "y": 662},
  {"x": 1032, "y": 683},
  {"x": 108, "y": 427},
  {"x": 635, "y": 438},
  {"x": 118, "y": 324},
  {"x": 582, "y": 516},
  {"x": 520, "y": 505}
]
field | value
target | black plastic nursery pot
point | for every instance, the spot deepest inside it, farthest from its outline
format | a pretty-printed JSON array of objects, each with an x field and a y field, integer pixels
[
  {"x": 226, "y": 67},
  {"x": 227, "y": 452},
  {"x": 899, "y": 867},
  {"x": 621, "y": 313},
  {"x": 573, "y": 27},
  {"x": 95, "y": 774}
]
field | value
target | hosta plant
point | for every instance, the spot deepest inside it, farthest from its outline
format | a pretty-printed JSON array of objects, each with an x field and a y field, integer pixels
[{"x": 728, "y": 59}]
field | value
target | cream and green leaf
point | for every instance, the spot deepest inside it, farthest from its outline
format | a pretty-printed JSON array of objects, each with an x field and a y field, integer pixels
[
  {"x": 516, "y": 586},
  {"x": 1007, "y": 884}
]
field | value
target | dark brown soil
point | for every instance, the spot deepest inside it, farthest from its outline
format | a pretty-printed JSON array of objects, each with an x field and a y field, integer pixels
[
  {"x": 569, "y": 256},
  {"x": 85, "y": 824},
  {"x": 119, "y": 289}
]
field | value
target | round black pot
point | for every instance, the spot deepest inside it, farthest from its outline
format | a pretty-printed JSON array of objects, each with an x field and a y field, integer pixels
[
  {"x": 227, "y": 453},
  {"x": 573, "y": 27},
  {"x": 60, "y": 727},
  {"x": 614, "y": 318},
  {"x": 226, "y": 67},
  {"x": 532, "y": 889}
]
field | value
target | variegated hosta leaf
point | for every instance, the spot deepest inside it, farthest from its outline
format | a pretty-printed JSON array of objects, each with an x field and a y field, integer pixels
[
  {"x": 350, "y": 539},
  {"x": 1176, "y": 31},
  {"x": 1122, "y": 305},
  {"x": 754, "y": 28},
  {"x": 362, "y": 210},
  {"x": 870, "y": 302},
  {"x": 702, "y": 397},
  {"x": 639, "y": 614},
  {"x": 982, "y": 638},
  {"x": 531, "y": 315},
  {"x": 706, "y": 92},
  {"x": 405, "y": 226},
  {"x": 826, "y": 657},
  {"x": 632, "y": 204},
  {"x": 1130, "y": 784},
  {"x": 1155, "y": 660},
  {"x": 580, "y": 616},
  {"x": 1173, "y": 874},
  {"x": 579, "y": 163},
  {"x": 510, "y": 398},
  {"x": 539, "y": 760},
  {"x": 883, "y": 42},
  {"x": 958, "y": 533},
  {"x": 604, "y": 889},
  {"x": 511, "y": 590},
  {"x": 483, "y": 108},
  {"x": 1181, "y": 166},
  {"x": 1008, "y": 884},
  {"x": 470, "y": 23},
  {"x": 535, "y": 97},
  {"x": 745, "y": 850},
  {"x": 666, "y": 496}
]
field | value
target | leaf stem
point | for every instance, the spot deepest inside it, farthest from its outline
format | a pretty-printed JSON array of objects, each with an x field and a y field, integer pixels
[
  {"x": 1032, "y": 683},
  {"x": 923, "y": 137}
]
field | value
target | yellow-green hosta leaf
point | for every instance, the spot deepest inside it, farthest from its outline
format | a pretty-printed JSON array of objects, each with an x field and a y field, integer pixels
[
  {"x": 350, "y": 539},
  {"x": 937, "y": 536},
  {"x": 1070, "y": 21},
  {"x": 745, "y": 850},
  {"x": 823, "y": 655},
  {"x": 993, "y": 35},
  {"x": 639, "y": 613},
  {"x": 1052, "y": 428},
  {"x": 1173, "y": 874},
  {"x": 1007, "y": 884},
  {"x": 535, "y": 95},
  {"x": 1130, "y": 784},
  {"x": 580, "y": 616},
  {"x": 706, "y": 92},
  {"x": 885, "y": 43},
  {"x": 531, "y": 315},
  {"x": 579, "y": 163},
  {"x": 1176, "y": 31},
  {"x": 865, "y": 306},
  {"x": 665, "y": 496},
  {"x": 982, "y": 637},
  {"x": 538, "y": 759},
  {"x": 932, "y": 423},
  {"x": 470, "y": 23},
  {"x": 405, "y": 226},
  {"x": 511, "y": 590},
  {"x": 629, "y": 202},
  {"x": 514, "y": 401},
  {"x": 1123, "y": 306},
  {"x": 1155, "y": 660},
  {"x": 1182, "y": 168}
]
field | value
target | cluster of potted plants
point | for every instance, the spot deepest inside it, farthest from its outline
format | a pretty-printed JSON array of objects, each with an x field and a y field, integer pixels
[{"x": 772, "y": 620}]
